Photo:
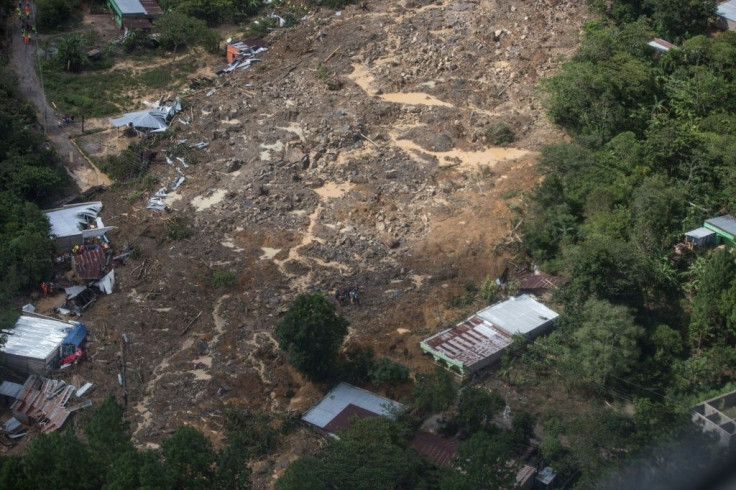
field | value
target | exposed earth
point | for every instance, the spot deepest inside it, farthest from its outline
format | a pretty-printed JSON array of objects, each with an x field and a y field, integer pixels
[{"x": 354, "y": 154}]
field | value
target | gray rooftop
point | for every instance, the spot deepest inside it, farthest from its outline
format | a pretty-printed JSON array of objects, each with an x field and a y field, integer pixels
[
  {"x": 8, "y": 388},
  {"x": 727, "y": 10},
  {"x": 345, "y": 394},
  {"x": 522, "y": 314},
  {"x": 130, "y": 7},
  {"x": 726, "y": 223},
  {"x": 35, "y": 336},
  {"x": 700, "y": 233},
  {"x": 69, "y": 220}
]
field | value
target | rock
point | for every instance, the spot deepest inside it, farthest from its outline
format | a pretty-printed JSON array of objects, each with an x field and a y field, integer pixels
[
  {"x": 202, "y": 347},
  {"x": 233, "y": 165}
]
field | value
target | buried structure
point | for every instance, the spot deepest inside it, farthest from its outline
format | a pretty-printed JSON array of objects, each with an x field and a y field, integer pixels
[{"x": 481, "y": 339}]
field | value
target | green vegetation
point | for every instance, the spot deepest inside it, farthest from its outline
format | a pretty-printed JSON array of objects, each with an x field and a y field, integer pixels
[
  {"x": 54, "y": 14},
  {"x": 177, "y": 30},
  {"x": 223, "y": 278},
  {"x": 651, "y": 157},
  {"x": 30, "y": 178},
  {"x": 106, "y": 458},
  {"x": 311, "y": 334},
  {"x": 500, "y": 134},
  {"x": 179, "y": 228}
]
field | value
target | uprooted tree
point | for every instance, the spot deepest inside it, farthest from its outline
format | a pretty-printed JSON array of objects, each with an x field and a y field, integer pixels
[{"x": 311, "y": 334}]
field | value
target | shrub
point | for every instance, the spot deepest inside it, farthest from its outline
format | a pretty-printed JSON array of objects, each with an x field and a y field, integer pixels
[
  {"x": 223, "y": 278},
  {"x": 500, "y": 134},
  {"x": 177, "y": 228},
  {"x": 387, "y": 371}
]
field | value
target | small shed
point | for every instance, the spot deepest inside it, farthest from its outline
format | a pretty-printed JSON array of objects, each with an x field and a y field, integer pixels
[
  {"x": 661, "y": 45},
  {"x": 34, "y": 344},
  {"x": 724, "y": 228},
  {"x": 700, "y": 236},
  {"x": 336, "y": 410},
  {"x": 726, "y": 13}
]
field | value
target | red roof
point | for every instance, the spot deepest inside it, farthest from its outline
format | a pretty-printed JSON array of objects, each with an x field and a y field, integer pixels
[
  {"x": 438, "y": 449},
  {"x": 536, "y": 282},
  {"x": 151, "y": 7},
  {"x": 342, "y": 419},
  {"x": 90, "y": 265}
]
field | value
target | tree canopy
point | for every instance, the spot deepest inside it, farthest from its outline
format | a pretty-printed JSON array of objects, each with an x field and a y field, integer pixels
[{"x": 311, "y": 334}]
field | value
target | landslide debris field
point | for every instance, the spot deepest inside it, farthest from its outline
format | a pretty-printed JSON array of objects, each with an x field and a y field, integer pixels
[{"x": 354, "y": 154}]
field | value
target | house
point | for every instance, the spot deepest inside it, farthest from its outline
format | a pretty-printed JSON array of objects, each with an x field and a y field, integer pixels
[
  {"x": 152, "y": 120},
  {"x": 73, "y": 224},
  {"x": 134, "y": 14},
  {"x": 724, "y": 228},
  {"x": 482, "y": 338},
  {"x": 661, "y": 45},
  {"x": 36, "y": 344},
  {"x": 718, "y": 415},
  {"x": 336, "y": 410},
  {"x": 237, "y": 50},
  {"x": 726, "y": 13}
]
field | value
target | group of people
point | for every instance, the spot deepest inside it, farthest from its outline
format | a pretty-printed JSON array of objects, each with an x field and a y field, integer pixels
[
  {"x": 26, "y": 28},
  {"x": 346, "y": 296},
  {"x": 47, "y": 288}
]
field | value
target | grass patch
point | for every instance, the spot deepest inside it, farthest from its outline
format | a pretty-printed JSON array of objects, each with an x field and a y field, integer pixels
[
  {"x": 133, "y": 197},
  {"x": 178, "y": 228},
  {"x": 500, "y": 134},
  {"x": 223, "y": 278},
  {"x": 94, "y": 94}
]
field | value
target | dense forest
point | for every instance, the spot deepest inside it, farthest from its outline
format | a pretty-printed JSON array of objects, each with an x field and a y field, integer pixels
[{"x": 31, "y": 178}]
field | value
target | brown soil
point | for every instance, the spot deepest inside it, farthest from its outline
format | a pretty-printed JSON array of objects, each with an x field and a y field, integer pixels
[{"x": 386, "y": 184}]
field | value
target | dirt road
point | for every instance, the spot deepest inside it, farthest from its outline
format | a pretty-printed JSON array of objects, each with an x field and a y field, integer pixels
[{"x": 23, "y": 60}]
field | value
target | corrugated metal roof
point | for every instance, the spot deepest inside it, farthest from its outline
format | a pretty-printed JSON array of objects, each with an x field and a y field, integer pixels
[
  {"x": 661, "y": 45},
  {"x": 343, "y": 420},
  {"x": 130, "y": 7},
  {"x": 151, "y": 7},
  {"x": 90, "y": 265},
  {"x": 141, "y": 119},
  {"x": 337, "y": 400},
  {"x": 726, "y": 223},
  {"x": 35, "y": 337},
  {"x": 440, "y": 450},
  {"x": 727, "y": 10},
  {"x": 8, "y": 388},
  {"x": 72, "y": 219},
  {"x": 522, "y": 314},
  {"x": 700, "y": 233},
  {"x": 470, "y": 342}
]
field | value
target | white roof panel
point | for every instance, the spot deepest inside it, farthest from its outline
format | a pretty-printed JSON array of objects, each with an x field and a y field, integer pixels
[
  {"x": 130, "y": 7},
  {"x": 727, "y": 10},
  {"x": 522, "y": 314},
  {"x": 35, "y": 337},
  {"x": 343, "y": 395},
  {"x": 69, "y": 220}
]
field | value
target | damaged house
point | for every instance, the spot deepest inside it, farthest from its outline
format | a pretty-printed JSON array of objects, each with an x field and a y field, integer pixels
[
  {"x": 37, "y": 344},
  {"x": 149, "y": 121},
  {"x": 73, "y": 224}
]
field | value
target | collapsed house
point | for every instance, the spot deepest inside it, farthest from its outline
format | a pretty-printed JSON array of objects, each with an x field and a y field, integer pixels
[
  {"x": 338, "y": 408},
  {"x": 45, "y": 402},
  {"x": 149, "y": 121},
  {"x": 74, "y": 224},
  {"x": 241, "y": 54},
  {"x": 481, "y": 339},
  {"x": 37, "y": 344}
]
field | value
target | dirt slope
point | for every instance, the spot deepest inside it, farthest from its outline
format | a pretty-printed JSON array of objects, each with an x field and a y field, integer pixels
[{"x": 385, "y": 183}]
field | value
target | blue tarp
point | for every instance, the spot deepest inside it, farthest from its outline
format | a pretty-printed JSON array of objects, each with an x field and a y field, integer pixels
[{"x": 76, "y": 335}]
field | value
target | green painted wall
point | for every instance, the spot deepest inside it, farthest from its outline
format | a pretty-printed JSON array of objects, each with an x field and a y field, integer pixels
[{"x": 723, "y": 237}]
